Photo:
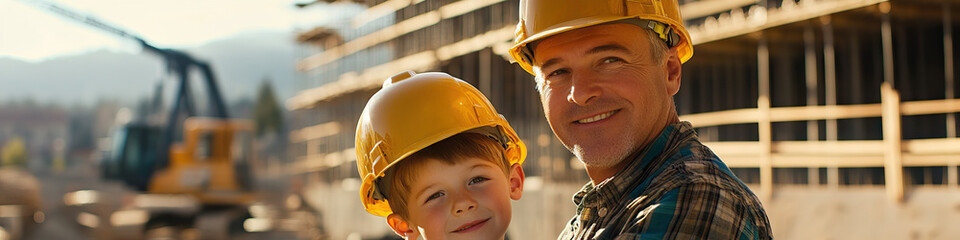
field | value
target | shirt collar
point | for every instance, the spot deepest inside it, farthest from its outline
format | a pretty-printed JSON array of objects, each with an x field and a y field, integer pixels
[{"x": 640, "y": 167}]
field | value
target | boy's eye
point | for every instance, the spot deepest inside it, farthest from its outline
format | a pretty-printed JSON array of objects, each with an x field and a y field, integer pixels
[
  {"x": 476, "y": 180},
  {"x": 434, "y": 196},
  {"x": 557, "y": 72}
]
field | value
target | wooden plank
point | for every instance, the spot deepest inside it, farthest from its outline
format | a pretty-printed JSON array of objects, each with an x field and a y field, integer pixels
[
  {"x": 736, "y": 116},
  {"x": 703, "y": 8},
  {"x": 930, "y": 107},
  {"x": 396, "y": 30},
  {"x": 747, "y": 148},
  {"x": 759, "y": 18},
  {"x": 927, "y": 160},
  {"x": 826, "y": 161},
  {"x": 932, "y": 146},
  {"x": 803, "y": 113},
  {"x": 837, "y": 148},
  {"x": 314, "y": 132},
  {"x": 373, "y": 77},
  {"x": 806, "y": 113}
]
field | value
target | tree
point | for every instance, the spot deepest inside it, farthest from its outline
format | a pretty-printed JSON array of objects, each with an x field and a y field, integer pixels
[
  {"x": 14, "y": 153},
  {"x": 267, "y": 115}
]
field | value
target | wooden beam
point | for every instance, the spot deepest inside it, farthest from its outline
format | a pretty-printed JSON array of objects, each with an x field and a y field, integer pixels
[
  {"x": 830, "y": 75},
  {"x": 810, "y": 64},
  {"x": 315, "y": 132},
  {"x": 948, "y": 75},
  {"x": 892, "y": 142},
  {"x": 759, "y": 18},
  {"x": 764, "y": 124},
  {"x": 372, "y": 77},
  {"x": 391, "y": 32},
  {"x": 703, "y": 8}
]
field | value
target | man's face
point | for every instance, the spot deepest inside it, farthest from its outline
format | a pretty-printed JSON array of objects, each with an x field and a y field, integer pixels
[
  {"x": 466, "y": 200},
  {"x": 603, "y": 94}
]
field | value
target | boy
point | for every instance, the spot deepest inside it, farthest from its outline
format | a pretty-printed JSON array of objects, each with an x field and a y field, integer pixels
[{"x": 437, "y": 160}]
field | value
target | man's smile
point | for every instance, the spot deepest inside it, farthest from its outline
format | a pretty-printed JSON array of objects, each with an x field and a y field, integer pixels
[{"x": 597, "y": 117}]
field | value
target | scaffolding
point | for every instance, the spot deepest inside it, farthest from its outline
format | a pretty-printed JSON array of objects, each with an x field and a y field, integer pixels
[{"x": 818, "y": 93}]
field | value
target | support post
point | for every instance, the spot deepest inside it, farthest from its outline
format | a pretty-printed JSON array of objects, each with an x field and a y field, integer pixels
[
  {"x": 948, "y": 76},
  {"x": 829, "y": 75},
  {"x": 764, "y": 125},
  {"x": 484, "y": 81},
  {"x": 830, "y": 95},
  {"x": 892, "y": 153},
  {"x": 890, "y": 103},
  {"x": 813, "y": 130}
]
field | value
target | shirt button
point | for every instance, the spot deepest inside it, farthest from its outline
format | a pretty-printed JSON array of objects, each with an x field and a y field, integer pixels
[{"x": 602, "y": 212}]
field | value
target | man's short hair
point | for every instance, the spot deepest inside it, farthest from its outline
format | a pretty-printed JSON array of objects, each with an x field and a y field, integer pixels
[
  {"x": 452, "y": 150},
  {"x": 658, "y": 49}
]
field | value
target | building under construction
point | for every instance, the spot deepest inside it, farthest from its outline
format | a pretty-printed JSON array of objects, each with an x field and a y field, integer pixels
[{"x": 810, "y": 98}]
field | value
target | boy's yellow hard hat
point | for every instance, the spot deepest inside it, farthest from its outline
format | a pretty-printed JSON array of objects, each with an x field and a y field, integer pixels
[
  {"x": 540, "y": 19},
  {"x": 413, "y": 111}
]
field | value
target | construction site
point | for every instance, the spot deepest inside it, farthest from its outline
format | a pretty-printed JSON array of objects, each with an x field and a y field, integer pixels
[{"x": 841, "y": 115}]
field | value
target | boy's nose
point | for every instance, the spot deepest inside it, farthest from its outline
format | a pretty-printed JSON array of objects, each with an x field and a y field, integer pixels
[{"x": 464, "y": 203}]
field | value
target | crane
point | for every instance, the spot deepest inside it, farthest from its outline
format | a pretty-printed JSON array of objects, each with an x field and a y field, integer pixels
[
  {"x": 199, "y": 181},
  {"x": 177, "y": 63}
]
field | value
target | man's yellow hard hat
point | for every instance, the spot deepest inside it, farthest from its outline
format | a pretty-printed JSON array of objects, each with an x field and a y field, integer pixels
[
  {"x": 540, "y": 19},
  {"x": 413, "y": 111}
]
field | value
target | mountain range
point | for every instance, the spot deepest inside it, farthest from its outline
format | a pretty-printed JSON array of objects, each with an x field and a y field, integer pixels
[{"x": 241, "y": 63}]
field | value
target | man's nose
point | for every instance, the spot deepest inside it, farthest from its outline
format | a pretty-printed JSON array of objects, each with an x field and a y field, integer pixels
[{"x": 583, "y": 88}]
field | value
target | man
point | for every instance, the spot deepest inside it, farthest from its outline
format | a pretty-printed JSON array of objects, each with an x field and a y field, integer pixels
[{"x": 607, "y": 72}]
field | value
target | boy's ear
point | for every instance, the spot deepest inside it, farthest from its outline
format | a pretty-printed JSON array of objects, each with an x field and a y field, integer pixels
[
  {"x": 401, "y": 227},
  {"x": 516, "y": 181}
]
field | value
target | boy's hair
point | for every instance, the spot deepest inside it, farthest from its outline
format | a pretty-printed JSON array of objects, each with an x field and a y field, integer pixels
[{"x": 452, "y": 150}]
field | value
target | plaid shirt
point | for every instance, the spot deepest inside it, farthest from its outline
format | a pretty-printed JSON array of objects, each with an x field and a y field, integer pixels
[{"x": 674, "y": 188}]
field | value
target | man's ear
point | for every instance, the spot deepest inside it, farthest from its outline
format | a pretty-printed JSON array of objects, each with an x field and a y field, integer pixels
[
  {"x": 516, "y": 181},
  {"x": 401, "y": 227},
  {"x": 673, "y": 71}
]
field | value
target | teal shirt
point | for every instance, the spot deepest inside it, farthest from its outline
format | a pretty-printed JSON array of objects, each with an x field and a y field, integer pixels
[{"x": 673, "y": 188}]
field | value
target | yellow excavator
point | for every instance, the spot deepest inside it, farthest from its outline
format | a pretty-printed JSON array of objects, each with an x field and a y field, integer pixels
[{"x": 191, "y": 173}]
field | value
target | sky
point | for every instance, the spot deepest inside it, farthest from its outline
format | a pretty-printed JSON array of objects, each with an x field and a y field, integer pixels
[{"x": 31, "y": 34}]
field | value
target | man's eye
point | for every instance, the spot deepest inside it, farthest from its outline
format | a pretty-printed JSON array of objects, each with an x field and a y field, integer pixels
[
  {"x": 476, "y": 180},
  {"x": 612, "y": 60},
  {"x": 434, "y": 196}
]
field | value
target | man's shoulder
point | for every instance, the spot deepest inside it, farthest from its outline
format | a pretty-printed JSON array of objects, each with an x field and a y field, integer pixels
[{"x": 696, "y": 164}]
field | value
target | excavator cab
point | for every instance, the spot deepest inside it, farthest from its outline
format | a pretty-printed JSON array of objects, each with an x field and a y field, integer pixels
[
  {"x": 134, "y": 155},
  {"x": 212, "y": 162}
]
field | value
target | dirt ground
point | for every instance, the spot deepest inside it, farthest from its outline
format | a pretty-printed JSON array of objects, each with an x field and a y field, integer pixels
[
  {"x": 796, "y": 212},
  {"x": 800, "y": 212}
]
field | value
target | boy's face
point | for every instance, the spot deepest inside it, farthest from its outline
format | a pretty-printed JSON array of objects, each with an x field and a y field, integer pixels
[{"x": 467, "y": 200}]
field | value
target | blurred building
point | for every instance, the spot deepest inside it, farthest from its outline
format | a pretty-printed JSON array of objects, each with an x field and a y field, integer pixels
[
  {"x": 823, "y": 94},
  {"x": 43, "y": 129}
]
